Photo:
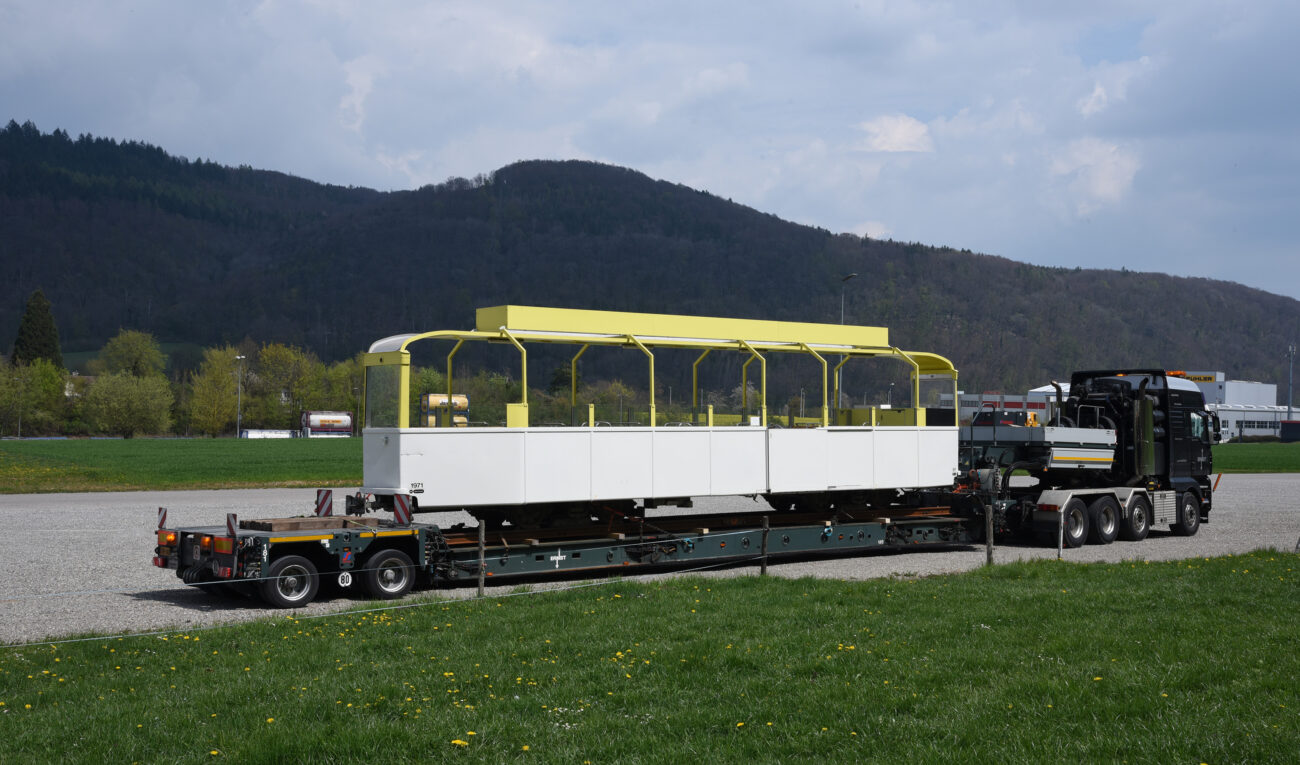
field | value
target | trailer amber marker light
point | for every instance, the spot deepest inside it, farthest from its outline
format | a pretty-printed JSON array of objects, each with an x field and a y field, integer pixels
[
  {"x": 205, "y": 542},
  {"x": 166, "y": 538}
]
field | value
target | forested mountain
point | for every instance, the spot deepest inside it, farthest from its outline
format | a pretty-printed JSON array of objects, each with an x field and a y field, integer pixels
[{"x": 122, "y": 235}]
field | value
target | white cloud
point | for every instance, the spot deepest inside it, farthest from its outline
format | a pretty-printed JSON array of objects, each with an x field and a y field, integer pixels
[
  {"x": 1112, "y": 85},
  {"x": 359, "y": 76},
  {"x": 895, "y": 133},
  {"x": 1093, "y": 102},
  {"x": 1098, "y": 172},
  {"x": 873, "y": 229}
]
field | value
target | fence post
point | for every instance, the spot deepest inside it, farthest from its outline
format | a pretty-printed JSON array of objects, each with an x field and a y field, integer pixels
[
  {"x": 988, "y": 534},
  {"x": 482, "y": 544}
]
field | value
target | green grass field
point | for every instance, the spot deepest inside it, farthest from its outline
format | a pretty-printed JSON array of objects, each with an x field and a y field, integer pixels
[
  {"x": 200, "y": 463},
  {"x": 224, "y": 463},
  {"x": 1181, "y": 661},
  {"x": 1257, "y": 458}
]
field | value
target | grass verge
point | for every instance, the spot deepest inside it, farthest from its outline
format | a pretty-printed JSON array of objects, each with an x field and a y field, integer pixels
[
  {"x": 1257, "y": 458},
  {"x": 200, "y": 463},
  {"x": 1184, "y": 661}
]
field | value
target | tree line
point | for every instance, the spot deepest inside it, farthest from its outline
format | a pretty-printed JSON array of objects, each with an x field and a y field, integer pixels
[{"x": 129, "y": 392}]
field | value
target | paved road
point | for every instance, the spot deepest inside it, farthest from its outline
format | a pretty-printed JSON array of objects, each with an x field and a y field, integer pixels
[{"x": 79, "y": 563}]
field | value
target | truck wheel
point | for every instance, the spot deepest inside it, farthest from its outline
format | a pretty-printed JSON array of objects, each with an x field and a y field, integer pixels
[
  {"x": 1076, "y": 523},
  {"x": 388, "y": 574},
  {"x": 1138, "y": 525},
  {"x": 291, "y": 582},
  {"x": 1103, "y": 517},
  {"x": 1189, "y": 515}
]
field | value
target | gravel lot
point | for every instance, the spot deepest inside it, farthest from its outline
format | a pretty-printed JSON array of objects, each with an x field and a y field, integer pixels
[{"x": 80, "y": 563}]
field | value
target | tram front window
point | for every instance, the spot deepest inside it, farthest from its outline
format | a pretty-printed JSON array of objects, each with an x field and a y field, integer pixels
[{"x": 383, "y": 394}]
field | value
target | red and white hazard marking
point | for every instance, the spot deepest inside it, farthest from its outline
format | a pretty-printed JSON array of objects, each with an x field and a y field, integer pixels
[
  {"x": 402, "y": 509},
  {"x": 162, "y": 517},
  {"x": 232, "y": 524},
  {"x": 324, "y": 502}
]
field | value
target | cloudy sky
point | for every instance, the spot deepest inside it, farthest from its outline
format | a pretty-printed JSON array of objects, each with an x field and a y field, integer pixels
[{"x": 1157, "y": 136}]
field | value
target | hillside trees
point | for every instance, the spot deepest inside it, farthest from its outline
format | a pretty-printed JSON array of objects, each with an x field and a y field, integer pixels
[
  {"x": 125, "y": 405},
  {"x": 213, "y": 393},
  {"x": 133, "y": 352},
  {"x": 132, "y": 396},
  {"x": 38, "y": 336},
  {"x": 31, "y": 398},
  {"x": 285, "y": 381}
]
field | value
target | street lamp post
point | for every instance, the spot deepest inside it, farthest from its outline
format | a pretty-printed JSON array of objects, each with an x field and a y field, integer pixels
[
  {"x": 1289, "y": 382},
  {"x": 839, "y": 374},
  {"x": 239, "y": 397}
]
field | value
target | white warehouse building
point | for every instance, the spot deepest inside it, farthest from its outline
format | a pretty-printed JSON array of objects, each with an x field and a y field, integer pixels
[{"x": 1245, "y": 408}]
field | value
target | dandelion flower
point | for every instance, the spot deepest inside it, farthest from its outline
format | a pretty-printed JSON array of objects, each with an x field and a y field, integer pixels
[{"x": 459, "y": 742}]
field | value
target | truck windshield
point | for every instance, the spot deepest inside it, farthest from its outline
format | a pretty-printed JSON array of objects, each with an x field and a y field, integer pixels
[{"x": 383, "y": 393}]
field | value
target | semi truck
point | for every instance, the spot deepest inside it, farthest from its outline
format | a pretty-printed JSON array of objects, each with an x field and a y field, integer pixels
[{"x": 1127, "y": 450}]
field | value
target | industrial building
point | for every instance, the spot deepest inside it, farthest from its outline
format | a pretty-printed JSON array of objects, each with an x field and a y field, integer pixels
[{"x": 1245, "y": 408}]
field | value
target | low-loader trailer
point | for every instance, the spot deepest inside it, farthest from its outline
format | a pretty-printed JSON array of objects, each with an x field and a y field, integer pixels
[{"x": 1124, "y": 449}]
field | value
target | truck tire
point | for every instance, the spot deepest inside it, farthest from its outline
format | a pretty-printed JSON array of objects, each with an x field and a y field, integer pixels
[
  {"x": 1103, "y": 520},
  {"x": 1076, "y": 523},
  {"x": 291, "y": 582},
  {"x": 1138, "y": 524},
  {"x": 1189, "y": 515},
  {"x": 388, "y": 574}
]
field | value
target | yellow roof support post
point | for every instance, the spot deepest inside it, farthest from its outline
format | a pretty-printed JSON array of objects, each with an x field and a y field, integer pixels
[
  {"x": 826, "y": 415},
  {"x": 744, "y": 387},
  {"x": 651, "y": 356},
  {"x": 450, "y": 356},
  {"x": 695, "y": 387},
  {"x": 916, "y": 385},
  {"x": 573, "y": 376},
  {"x": 838, "y": 377},
  {"x": 762, "y": 363},
  {"x": 523, "y": 365},
  {"x": 517, "y": 414}
]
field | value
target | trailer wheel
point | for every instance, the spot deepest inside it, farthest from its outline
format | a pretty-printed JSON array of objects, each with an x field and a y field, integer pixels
[
  {"x": 388, "y": 574},
  {"x": 1103, "y": 517},
  {"x": 291, "y": 582},
  {"x": 1138, "y": 525},
  {"x": 1076, "y": 523},
  {"x": 1189, "y": 515}
]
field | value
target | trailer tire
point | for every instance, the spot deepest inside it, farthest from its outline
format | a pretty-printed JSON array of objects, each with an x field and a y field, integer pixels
[
  {"x": 1103, "y": 520},
  {"x": 1076, "y": 523},
  {"x": 1189, "y": 515},
  {"x": 291, "y": 582},
  {"x": 388, "y": 574},
  {"x": 1138, "y": 524}
]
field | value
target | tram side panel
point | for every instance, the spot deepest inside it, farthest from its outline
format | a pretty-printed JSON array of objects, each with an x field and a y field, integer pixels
[{"x": 446, "y": 469}]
